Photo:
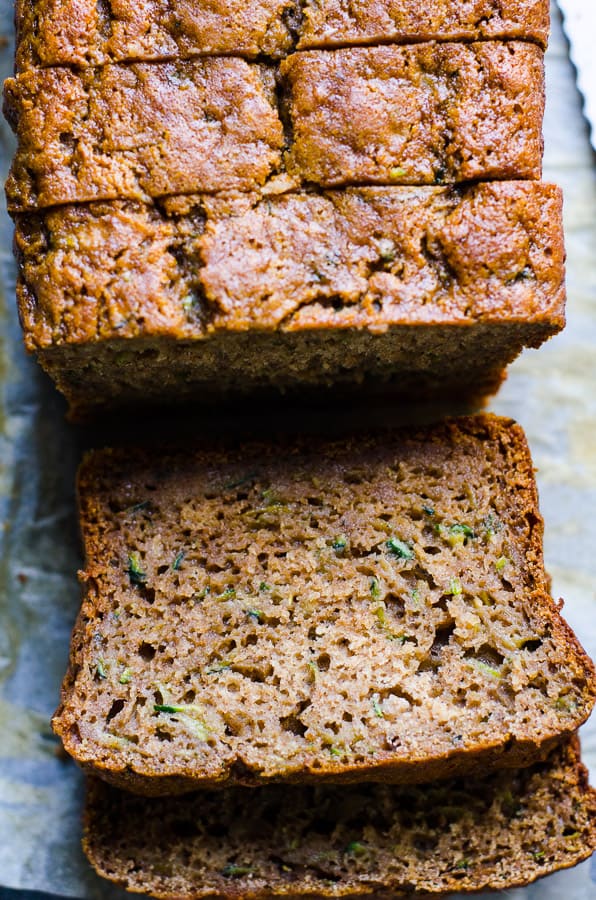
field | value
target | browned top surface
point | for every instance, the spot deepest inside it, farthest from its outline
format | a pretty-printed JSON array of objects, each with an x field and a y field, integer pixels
[
  {"x": 410, "y": 115},
  {"x": 84, "y": 32},
  {"x": 334, "y": 22},
  {"x": 420, "y": 114},
  {"x": 363, "y": 257},
  {"x": 145, "y": 129}
]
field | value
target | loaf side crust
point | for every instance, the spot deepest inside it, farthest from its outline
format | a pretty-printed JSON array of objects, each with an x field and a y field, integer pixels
[{"x": 494, "y": 832}]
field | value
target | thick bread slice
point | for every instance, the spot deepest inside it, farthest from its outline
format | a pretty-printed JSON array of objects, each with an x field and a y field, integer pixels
[
  {"x": 85, "y": 32},
  {"x": 141, "y": 130},
  {"x": 490, "y": 832},
  {"x": 366, "y": 608},
  {"x": 422, "y": 114},
  {"x": 429, "y": 289}
]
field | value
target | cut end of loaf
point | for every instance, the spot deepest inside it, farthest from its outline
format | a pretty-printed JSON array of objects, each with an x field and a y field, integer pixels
[
  {"x": 425, "y": 364},
  {"x": 370, "y": 608}
]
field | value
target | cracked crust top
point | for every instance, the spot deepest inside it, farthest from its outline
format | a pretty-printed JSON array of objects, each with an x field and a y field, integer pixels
[
  {"x": 422, "y": 114},
  {"x": 356, "y": 258}
]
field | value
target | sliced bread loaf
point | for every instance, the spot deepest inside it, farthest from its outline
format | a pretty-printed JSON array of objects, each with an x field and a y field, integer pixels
[
  {"x": 489, "y": 832},
  {"x": 366, "y": 608},
  {"x": 425, "y": 290},
  {"x": 85, "y": 32}
]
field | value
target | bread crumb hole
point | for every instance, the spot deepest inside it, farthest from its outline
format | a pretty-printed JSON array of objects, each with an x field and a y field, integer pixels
[
  {"x": 323, "y": 662},
  {"x": 146, "y": 651},
  {"x": 116, "y": 707}
]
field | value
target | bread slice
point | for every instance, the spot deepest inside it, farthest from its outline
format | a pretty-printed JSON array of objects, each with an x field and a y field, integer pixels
[
  {"x": 364, "y": 608},
  {"x": 84, "y": 32},
  {"x": 422, "y": 114},
  {"x": 144, "y": 130},
  {"x": 489, "y": 832},
  {"x": 422, "y": 290}
]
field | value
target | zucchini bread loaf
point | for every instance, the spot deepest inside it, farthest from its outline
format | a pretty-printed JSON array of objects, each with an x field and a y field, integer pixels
[
  {"x": 85, "y": 32},
  {"x": 366, "y": 608},
  {"x": 427, "y": 289},
  {"x": 420, "y": 114},
  {"x": 180, "y": 224},
  {"x": 489, "y": 832}
]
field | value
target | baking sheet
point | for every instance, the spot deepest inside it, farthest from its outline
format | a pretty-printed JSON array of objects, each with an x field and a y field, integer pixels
[{"x": 552, "y": 392}]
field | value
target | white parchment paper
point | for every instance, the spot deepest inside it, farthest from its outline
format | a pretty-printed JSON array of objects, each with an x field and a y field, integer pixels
[
  {"x": 580, "y": 27},
  {"x": 552, "y": 392}
]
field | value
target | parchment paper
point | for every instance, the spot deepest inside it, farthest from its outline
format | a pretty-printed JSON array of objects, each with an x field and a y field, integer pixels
[
  {"x": 579, "y": 23},
  {"x": 552, "y": 392}
]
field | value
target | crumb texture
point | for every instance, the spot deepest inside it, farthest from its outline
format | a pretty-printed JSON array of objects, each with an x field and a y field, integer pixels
[
  {"x": 364, "y": 609},
  {"x": 85, "y": 32},
  {"x": 421, "y": 114},
  {"x": 491, "y": 832}
]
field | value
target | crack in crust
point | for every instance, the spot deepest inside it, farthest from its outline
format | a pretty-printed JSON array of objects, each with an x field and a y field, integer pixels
[
  {"x": 422, "y": 114},
  {"x": 370, "y": 258}
]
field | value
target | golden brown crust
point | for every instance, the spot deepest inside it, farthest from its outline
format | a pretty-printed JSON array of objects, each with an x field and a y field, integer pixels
[
  {"x": 360, "y": 258},
  {"x": 84, "y": 32},
  {"x": 516, "y": 754},
  {"x": 490, "y": 832},
  {"x": 421, "y": 114},
  {"x": 142, "y": 130},
  {"x": 518, "y": 745},
  {"x": 334, "y": 22}
]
